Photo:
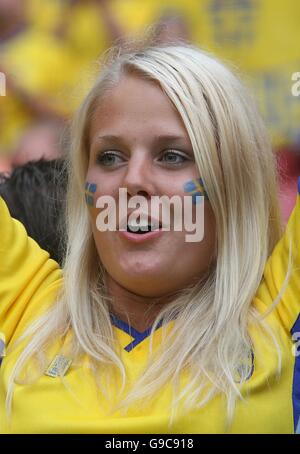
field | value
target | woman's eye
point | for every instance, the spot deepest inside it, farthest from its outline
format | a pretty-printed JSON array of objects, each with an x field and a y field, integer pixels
[
  {"x": 108, "y": 159},
  {"x": 173, "y": 157}
]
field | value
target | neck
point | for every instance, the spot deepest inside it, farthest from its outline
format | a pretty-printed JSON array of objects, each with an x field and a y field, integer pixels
[{"x": 137, "y": 310}]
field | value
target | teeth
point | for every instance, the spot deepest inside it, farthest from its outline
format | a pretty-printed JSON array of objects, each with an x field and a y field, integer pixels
[
  {"x": 134, "y": 224},
  {"x": 143, "y": 226}
]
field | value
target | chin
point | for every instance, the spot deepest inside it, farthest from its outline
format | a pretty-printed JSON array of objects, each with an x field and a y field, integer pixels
[
  {"x": 145, "y": 282},
  {"x": 142, "y": 265},
  {"x": 148, "y": 289},
  {"x": 143, "y": 272}
]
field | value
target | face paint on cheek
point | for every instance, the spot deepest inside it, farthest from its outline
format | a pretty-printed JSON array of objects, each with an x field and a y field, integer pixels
[
  {"x": 195, "y": 188},
  {"x": 90, "y": 189}
]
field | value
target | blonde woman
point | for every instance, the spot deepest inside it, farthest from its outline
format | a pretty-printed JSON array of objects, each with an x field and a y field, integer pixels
[{"x": 145, "y": 332}]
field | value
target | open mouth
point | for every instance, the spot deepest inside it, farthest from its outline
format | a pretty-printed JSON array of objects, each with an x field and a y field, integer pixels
[{"x": 142, "y": 229}]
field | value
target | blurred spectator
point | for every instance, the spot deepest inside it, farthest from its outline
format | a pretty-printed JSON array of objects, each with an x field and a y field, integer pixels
[
  {"x": 43, "y": 140},
  {"x": 48, "y": 64},
  {"x": 12, "y": 17},
  {"x": 171, "y": 27},
  {"x": 44, "y": 15},
  {"x": 35, "y": 195},
  {"x": 5, "y": 164},
  {"x": 39, "y": 70},
  {"x": 91, "y": 16}
]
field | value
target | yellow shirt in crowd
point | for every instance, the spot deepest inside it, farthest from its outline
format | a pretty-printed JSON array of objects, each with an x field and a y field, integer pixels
[{"x": 29, "y": 282}]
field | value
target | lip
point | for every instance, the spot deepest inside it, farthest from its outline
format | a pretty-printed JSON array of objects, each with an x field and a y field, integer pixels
[{"x": 140, "y": 237}]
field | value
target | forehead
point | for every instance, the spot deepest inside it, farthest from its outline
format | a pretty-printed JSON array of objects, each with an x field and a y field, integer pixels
[{"x": 136, "y": 105}]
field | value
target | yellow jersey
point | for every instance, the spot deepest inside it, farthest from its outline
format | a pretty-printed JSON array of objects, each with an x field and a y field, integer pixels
[{"x": 29, "y": 282}]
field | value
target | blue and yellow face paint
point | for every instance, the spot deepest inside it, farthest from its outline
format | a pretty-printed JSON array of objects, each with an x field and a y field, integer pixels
[
  {"x": 195, "y": 188},
  {"x": 90, "y": 189}
]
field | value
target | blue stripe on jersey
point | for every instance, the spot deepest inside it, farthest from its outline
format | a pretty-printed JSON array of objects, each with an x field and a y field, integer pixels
[
  {"x": 296, "y": 378},
  {"x": 138, "y": 337},
  {"x": 299, "y": 185}
]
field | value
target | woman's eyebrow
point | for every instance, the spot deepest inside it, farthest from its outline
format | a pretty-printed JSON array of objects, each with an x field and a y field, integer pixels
[
  {"x": 155, "y": 138},
  {"x": 169, "y": 138},
  {"x": 109, "y": 137},
  {"x": 156, "y": 141}
]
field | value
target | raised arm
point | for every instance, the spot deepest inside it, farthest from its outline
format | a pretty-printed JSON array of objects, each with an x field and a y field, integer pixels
[
  {"x": 26, "y": 271},
  {"x": 286, "y": 251}
]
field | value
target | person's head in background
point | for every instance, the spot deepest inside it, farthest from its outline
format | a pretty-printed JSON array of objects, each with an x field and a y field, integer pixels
[
  {"x": 41, "y": 140},
  {"x": 35, "y": 195},
  {"x": 5, "y": 164},
  {"x": 171, "y": 27},
  {"x": 12, "y": 16}
]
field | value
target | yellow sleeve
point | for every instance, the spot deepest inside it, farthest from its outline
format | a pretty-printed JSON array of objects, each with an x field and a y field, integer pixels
[
  {"x": 26, "y": 275},
  {"x": 288, "y": 308}
]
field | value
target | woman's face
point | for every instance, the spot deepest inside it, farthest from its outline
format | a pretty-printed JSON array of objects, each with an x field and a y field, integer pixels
[{"x": 138, "y": 142}]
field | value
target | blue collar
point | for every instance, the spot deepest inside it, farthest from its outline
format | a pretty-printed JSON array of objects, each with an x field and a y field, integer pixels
[{"x": 138, "y": 337}]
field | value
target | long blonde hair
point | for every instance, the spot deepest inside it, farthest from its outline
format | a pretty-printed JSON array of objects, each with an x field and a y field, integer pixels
[{"x": 234, "y": 156}]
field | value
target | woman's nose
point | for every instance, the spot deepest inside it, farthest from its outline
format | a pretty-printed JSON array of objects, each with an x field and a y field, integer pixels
[{"x": 138, "y": 179}]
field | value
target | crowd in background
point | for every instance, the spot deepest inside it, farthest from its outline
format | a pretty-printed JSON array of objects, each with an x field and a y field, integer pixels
[
  {"x": 48, "y": 58},
  {"x": 48, "y": 53}
]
